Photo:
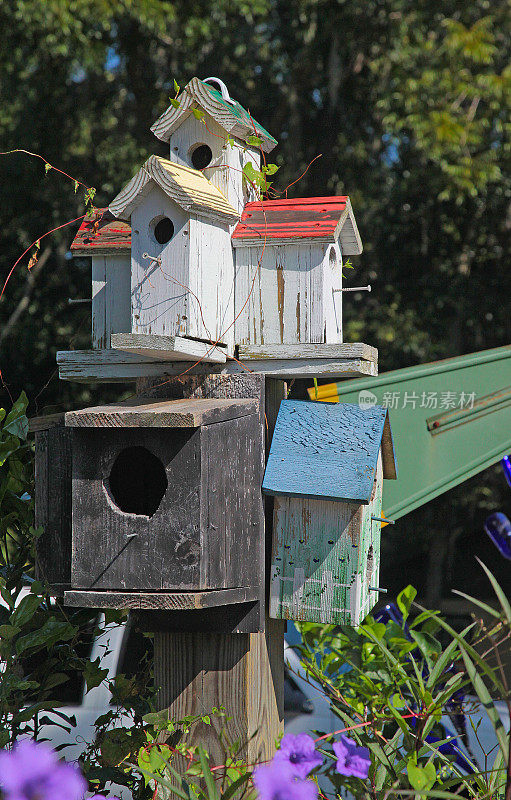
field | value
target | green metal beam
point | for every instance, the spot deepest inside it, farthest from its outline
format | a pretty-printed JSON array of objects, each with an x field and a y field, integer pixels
[{"x": 450, "y": 420}]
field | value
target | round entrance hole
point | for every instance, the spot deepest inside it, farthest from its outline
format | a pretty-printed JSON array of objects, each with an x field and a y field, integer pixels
[
  {"x": 201, "y": 156},
  {"x": 137, "y": 481},
  {"x": 163, "y": 230}
]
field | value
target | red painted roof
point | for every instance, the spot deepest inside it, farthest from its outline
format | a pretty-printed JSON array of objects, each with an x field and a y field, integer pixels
[
  {"x": 102, "y": 233},
  {"x": 301, "y": 218}
]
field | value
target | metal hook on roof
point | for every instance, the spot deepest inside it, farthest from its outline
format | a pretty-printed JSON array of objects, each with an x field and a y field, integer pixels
[{"x": 223, "y": 89}]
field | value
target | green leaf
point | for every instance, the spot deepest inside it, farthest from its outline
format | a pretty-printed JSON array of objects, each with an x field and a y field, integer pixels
[
  {"x": 501, "y": 595},
  {"x": 445, "y": 659},
  {"x": 175, "y": 103},
  {"x": 6, "y": 596},
  {"x": 177, "y": 87},
  {"x": 163, "y": 782},
  {"x": 487, "y": 702},
  {"x": 47, "y": 168},
  {"x": 499, "y": 767},
  {"x": 256, "y": 141},
  {"x": 250, "y": 172},
  {"x": 428, "y": 645},
  {"x": 481, "y": 663},
  {"x": 421, "y": 778},
  {"x": 483, "y": 606},
  {"x": 208, "y": 776},
  {"x": 93, "y": 674},
  {"x": 270, "y": 169},
  {"x": 115, "y": 746},
  {"x": 76, "y": 185},
  {"x": 237, "y": 784},
  {"x": 17, "y": 414},
  {"x": 405, "y": 600},
  {"x": 198, "y": 113},
  {"x": 25, "y": 610},
  {"x": 8, "y": 631},
  {"x": 56, "y": 679},
  {"x": 53, "y": 631}
]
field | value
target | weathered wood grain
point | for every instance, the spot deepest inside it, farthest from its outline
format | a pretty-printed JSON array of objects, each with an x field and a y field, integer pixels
[
  {"x": 305, "y": 350},
  {"x": 36, "y": 424},
  {"x": 207, "y": 530},
  {"x": 114, "y": 550},
  {"x": 186, "y": 186},
  {"x": 53, "y": 502},
  {"x": 114, "y": 366},
  {"x": 195, "y": 671},
  {"x": 243, "y": 672},
  {"x": 232, "y": 118},
  {"x": 283, "y": 294},
  {"x": 225, "y": 170},
  {"x": 325, "y": 558},
  {"x": 159, "y": 601},
  {"x": 141, "y": 412},
  {"x": 103, "y": 234},
  {"x": 302, "y": 219},
  {"x": 325, "y": 450},
  {"x": 111, "y": 302}
]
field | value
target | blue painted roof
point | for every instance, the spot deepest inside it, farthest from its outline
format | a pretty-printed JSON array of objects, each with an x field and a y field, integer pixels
[{"x": 328, "y": 450}]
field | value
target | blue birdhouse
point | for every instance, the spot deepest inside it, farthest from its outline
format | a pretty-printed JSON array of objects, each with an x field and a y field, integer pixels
[{"x": 325, "y": 469}]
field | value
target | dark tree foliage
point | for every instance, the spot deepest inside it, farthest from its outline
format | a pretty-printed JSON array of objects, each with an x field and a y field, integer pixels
[{"x": 408, "y": 105}]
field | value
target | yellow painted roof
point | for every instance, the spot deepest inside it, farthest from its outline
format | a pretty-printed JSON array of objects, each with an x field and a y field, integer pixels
[{"x": 188, "y": 187}]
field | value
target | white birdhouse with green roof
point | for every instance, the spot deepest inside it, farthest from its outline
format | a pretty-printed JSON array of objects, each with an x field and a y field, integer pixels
[{"x": 209, "y": 131}]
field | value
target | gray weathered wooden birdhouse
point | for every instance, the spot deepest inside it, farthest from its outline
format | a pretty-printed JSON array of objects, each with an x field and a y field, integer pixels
[
  {"x": 326, "y": 468},
  {"x": 166, "y": 502},
  {"x": 187, "y": 262}
]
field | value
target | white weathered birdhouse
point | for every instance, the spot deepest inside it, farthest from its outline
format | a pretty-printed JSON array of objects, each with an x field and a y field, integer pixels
[
  {"x": 326, "y": 468},
  {"x": 217, "y": 142},
  {"x": 182, "y": 270},
  {"x": 187, "y": 263},
  {"x": 292, "y": 251}
]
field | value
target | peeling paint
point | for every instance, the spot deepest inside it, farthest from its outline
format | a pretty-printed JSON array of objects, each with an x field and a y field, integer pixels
[{"x": 280, "y": 298}]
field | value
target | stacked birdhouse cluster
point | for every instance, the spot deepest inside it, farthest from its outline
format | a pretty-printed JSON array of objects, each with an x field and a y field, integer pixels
[
  {"x": 163, "y": 499},
  {"x": 187, "y": 250}
]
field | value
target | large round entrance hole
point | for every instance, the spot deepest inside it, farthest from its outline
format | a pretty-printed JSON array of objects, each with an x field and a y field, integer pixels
[
  {"x": 163, "y": 230},
  {"x": 201, "y": 156},
  {"x": 137, "y": 481}
]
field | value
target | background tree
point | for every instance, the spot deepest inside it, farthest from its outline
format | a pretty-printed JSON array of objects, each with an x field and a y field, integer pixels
[{"x": 408, "y": 105}]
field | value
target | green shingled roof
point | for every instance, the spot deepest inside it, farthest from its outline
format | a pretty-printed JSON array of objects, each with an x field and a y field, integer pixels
[{"x": 231, "y": 116}]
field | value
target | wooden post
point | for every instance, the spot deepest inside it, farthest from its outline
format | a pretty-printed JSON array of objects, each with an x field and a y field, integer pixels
[{"x": 244, "y": 672}]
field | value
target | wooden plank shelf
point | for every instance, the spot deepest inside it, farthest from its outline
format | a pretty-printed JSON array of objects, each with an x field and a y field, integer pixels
[
  {"x": 169, "y": 348},
  {"x": 160, "y": 601},
  {"x": 285, "y": 352},
  {"x": 284, "y": 362},
  {"x": 139, "y": 412}
]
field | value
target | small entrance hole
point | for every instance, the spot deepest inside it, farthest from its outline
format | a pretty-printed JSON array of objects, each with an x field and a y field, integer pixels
[
  {"x": 163, "y": 230},
  {"x": 137, "y": 481},
  {"x": 201, "y": 156}
]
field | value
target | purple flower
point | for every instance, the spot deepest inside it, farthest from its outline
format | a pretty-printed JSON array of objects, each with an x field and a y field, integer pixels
[
  {"x": 33, "y": 772},
  {"x": 300, "y": 753},
  {"x": 277, "y": 782},
  {"x": 351, "y": 759}
]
